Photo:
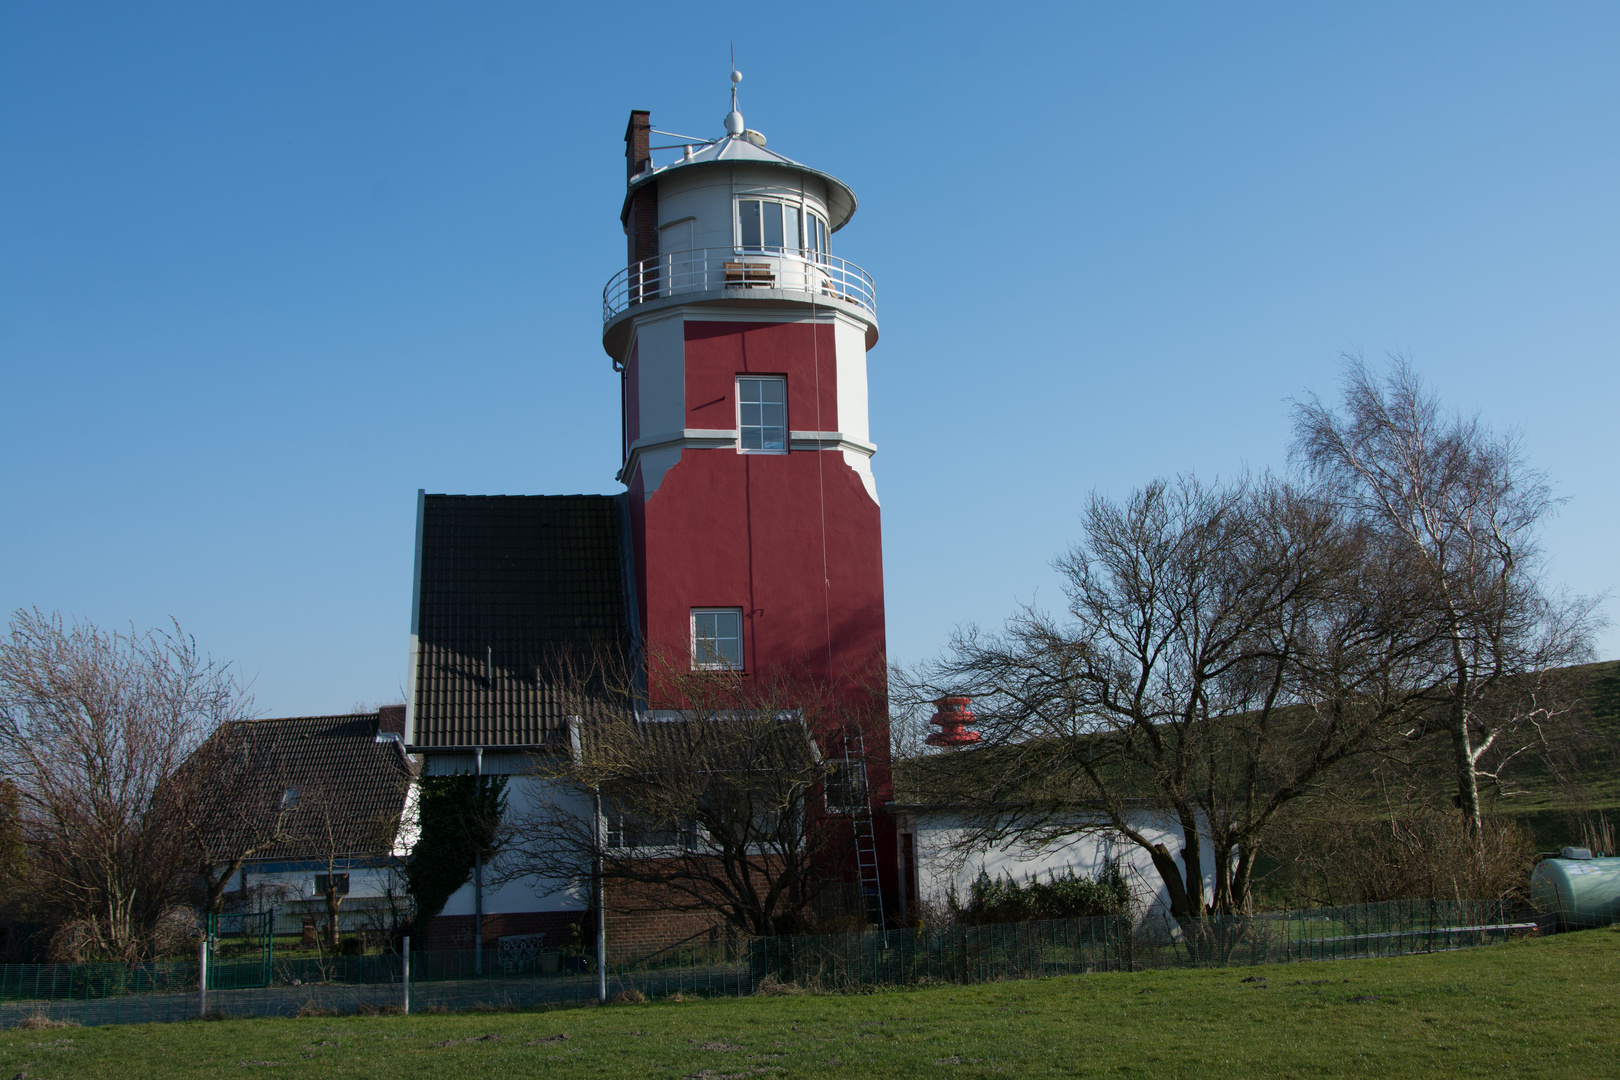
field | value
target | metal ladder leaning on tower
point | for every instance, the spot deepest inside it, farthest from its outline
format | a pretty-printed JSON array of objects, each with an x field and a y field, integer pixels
[{"x": 860, "y": 812}]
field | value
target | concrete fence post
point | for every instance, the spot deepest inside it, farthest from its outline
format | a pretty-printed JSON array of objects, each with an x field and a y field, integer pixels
[
  {"x": 202, "y": 977},
  {"x": 405, "y": 975}
]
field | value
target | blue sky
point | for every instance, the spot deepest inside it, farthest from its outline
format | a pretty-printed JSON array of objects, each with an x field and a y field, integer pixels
[{"x": 266, "y": 270}]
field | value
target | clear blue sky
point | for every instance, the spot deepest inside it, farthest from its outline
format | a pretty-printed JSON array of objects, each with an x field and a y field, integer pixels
[{"x": 265, "y": 270}]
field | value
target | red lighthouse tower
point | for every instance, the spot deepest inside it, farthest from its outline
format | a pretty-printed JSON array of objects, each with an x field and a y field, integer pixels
[{"x": 741, "y": 340}]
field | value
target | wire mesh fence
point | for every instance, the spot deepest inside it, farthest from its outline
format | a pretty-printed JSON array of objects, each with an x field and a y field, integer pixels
[{"x": 456, "y": 981}]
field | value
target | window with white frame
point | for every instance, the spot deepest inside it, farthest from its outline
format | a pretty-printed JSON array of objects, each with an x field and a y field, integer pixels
[
  {"x": 336, "y": 883},
  {"x": 717, "y": 639},
  {"x": 846, "y": 793},
  {"x": 762, "y": 414},
  {"x": 771, "y": 225},
  {"x": 627, "y": 829}
]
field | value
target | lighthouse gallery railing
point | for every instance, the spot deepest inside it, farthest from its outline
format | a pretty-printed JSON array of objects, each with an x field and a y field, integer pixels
[{"x": 714, "y": 270}]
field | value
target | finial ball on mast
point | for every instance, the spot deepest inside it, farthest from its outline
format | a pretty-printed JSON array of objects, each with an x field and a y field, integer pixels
[{"x": 734, "y": 119}]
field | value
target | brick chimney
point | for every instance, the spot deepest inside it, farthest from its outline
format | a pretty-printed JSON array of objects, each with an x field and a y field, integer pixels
[
  {"x": 637, "y": 139},
  {"x": 641, "y": 216},
  {"x": 391, "y": 721}
]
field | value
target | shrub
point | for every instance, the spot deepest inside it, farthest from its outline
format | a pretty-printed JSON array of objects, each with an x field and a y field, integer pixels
[
  {"x": 771, "y": 986},
  {"x": 1415, "y": 851},
  {"x": 1063, "y": 896}
]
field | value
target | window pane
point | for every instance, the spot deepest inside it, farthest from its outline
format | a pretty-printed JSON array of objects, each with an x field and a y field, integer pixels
[
  {"x": 749, "y": 215},
  {"x": 749, "y": 413},
  {"x": 728, "y": 637},
  {"x": 753, "y": 438},
  {"x": 790, "y": 227},
  {"x": 770, "y": 390},
  {"x": 773, "y": 224},
  {"x": 774, "y": 422},
  {"x": 748, "y": 389}
]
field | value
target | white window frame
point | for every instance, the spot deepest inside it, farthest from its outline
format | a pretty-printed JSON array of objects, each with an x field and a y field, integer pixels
[
  {"x": 700, "y": 663},
  {"x": 838, "y": 784},
  {"x": 810, "y": 241},
  {"x": 619, "y": 827},
  {"x": 737, "y": 388}
]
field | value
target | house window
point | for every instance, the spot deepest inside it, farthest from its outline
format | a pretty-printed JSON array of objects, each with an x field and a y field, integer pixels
[
  {"x": 770, "y": 226},
  {"x": 762, "y": 414},
  {"x": 717, "y": 639},
  {"x": 626, "y": 829},
  {"x": 289, "y": 798},
  {"x": 338, "y": 883},
  {"x": 846, "y": 793}
]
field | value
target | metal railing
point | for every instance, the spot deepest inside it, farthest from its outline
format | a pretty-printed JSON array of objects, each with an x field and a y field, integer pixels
[{"x": 741, "y": 272}]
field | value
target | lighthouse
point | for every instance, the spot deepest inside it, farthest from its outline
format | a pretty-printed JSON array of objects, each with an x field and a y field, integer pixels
[
  {"x": 746, "y": 547},
  {"x": 740, "y": 336}
]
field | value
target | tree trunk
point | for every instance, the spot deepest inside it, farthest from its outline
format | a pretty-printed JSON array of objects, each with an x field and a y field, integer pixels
[
  {"x": 1192, "y": 860},
  {"x": 1462, "y": 750},
  {"x": 1165, "y": 864},
  {"x": 333, "y": 902}
]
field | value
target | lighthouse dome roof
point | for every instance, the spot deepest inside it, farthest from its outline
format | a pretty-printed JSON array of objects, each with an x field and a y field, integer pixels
[{"x": 741, "y": 149}]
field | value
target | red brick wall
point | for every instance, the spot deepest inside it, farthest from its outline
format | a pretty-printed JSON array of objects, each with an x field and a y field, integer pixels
[
  {"x": 456, "y": 931},
  {"x": 639, "y": 931},
  {"x": 644, "y": 932}
]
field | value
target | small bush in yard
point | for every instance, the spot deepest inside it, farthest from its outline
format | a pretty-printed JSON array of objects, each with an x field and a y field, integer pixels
[
  {"x": 1062, "y": 896},
  {"x": 771, "y": 986}
]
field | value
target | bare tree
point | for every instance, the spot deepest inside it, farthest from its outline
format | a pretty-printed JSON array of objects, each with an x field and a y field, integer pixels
[
  {"x": 719, "y": 804},
  {"x": 1462, "y": 511},
  {"x": 1225, "y": 647},
  {"x": 93, "y": 725}
]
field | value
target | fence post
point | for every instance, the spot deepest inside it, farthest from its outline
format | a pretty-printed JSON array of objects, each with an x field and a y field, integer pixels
[
  {"x": 405, "y": 976},
  {"x": 202, "y": 978}
]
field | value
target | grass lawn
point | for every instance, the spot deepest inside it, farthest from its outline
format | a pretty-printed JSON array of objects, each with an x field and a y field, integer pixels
[{"x": 1531, "y": 1009}]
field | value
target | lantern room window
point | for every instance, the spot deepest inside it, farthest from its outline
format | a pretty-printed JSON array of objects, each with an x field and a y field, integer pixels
[
  {"x": 717, "y": 639},
  {"x": 772, "y": 226},
  {"x": 762, "y": 415}
]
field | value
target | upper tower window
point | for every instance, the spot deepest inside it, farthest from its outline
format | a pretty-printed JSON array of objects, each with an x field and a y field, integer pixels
[
  {"x": 762, "y": 413},
  {"x": 769, "y": 225}
]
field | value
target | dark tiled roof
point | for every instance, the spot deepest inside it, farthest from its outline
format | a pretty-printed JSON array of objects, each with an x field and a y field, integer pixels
[
  {"x": 507, "y": 583},
  {"x": 349, "y": 789}
]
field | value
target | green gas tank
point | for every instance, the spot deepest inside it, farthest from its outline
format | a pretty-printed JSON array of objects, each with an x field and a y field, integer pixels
[{"x": 1583, "y": 890}]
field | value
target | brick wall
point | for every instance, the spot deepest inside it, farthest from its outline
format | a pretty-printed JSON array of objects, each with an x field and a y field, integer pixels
[
  {"x": 456, "y": 931},
  {"x": 640, "y": 933}
]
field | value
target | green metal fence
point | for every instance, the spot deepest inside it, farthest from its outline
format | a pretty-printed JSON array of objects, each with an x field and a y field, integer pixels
[{"x": 118, "y": 993}]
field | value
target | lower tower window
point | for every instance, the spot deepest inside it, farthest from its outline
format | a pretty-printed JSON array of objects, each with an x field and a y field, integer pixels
[
  {"x": 717, "y": 639},
  {"x": 762, "y": 414}
]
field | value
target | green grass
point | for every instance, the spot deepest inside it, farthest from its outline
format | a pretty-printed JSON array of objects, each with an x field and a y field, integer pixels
[{"x": 1531, "y": 1009}]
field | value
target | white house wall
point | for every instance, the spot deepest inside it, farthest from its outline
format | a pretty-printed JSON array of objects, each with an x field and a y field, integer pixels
[
  {"x": 938, "y": 867},
  {"x": 524, "y": 794}
]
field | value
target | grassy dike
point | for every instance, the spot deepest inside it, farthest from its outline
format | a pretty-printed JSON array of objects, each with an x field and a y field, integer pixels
[{"x": 1530, "y": 1009}]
